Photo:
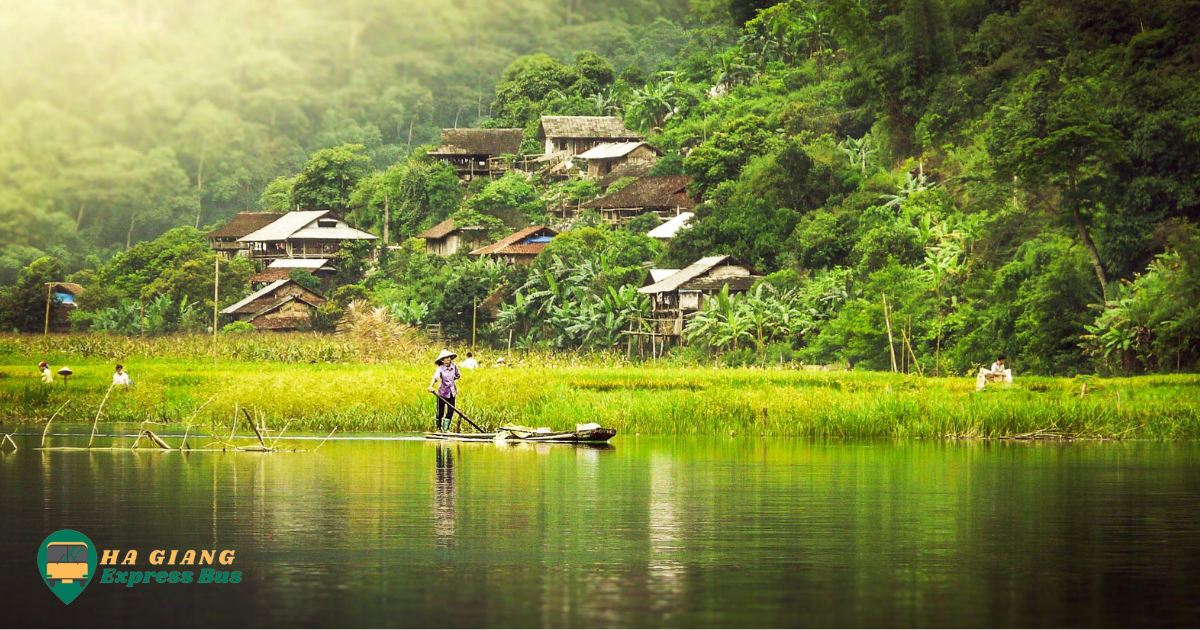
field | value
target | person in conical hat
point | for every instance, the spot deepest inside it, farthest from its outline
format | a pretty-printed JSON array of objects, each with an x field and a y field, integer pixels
[{"x": 443, "y": 385}]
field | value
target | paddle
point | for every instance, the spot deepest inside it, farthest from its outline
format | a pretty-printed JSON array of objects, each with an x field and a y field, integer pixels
[{"x": 463, "y": 415}]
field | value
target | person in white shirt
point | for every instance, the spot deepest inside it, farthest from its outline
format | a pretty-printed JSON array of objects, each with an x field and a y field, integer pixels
[
  {"x": 998, "y": 372},
  {"x": 121, "y": 377},
  {"x": 470, "y": 363},
  {"x": 47, "y": 375}
]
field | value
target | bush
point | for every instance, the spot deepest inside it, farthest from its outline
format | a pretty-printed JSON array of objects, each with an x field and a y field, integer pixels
[{"x": 238, "y": 328}]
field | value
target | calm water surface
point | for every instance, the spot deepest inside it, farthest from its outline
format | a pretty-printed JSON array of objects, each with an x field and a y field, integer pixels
[{"x": 649, "y": 532}]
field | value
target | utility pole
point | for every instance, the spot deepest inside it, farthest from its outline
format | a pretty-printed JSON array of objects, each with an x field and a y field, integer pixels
[
  {"x": 387, "y": 219},
  {"x": 216, "y": 295},
  {"x": 474, "y": 312}
]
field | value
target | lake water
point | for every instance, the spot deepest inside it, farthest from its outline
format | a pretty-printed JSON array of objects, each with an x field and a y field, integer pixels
[{"x": 648, "y": 532}]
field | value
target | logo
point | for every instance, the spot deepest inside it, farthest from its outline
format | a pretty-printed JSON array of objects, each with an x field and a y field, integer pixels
[{"x": 67, "y": 562}]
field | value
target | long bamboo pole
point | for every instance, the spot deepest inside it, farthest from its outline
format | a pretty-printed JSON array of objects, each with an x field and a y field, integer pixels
[
  {"x": 887, "y": 318},
  {"x": 49, "y": 292}
]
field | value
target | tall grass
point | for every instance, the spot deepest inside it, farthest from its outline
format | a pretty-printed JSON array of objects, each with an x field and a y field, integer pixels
[{"x": 355, "y": 396}]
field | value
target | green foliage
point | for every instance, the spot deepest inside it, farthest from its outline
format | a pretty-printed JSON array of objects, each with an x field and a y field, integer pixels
[
  {"x": 238, "y": 328},
  {"x": 328, "y": 177},
  {"x": 23, "y": 307},
  {"x": 306, "y": 279},
  {"x": 510, "y": 197}
]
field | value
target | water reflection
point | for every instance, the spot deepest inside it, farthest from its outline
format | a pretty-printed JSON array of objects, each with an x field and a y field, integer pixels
[
  {"x": 652, "y": 532},
  {"x": 444, "y": 495}
]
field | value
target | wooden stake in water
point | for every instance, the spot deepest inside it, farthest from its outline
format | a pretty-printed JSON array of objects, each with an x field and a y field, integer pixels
[{"x": 98, "y": 411}]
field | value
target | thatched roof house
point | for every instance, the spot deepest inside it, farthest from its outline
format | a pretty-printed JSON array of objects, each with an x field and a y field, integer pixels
[
  {"x": 575, "y": 134},
  {"x": 225, "y": 238},
  {"x": 665, "y": 195},
  {"x": 447, "y": 237},
  {"x": 283, "y": 305},
  {"x": 478, "y": 152},
  {"x": 520, "y": 247}
]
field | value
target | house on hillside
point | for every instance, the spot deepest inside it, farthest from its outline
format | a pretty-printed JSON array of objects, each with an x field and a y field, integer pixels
[
  {"x": 666, "y": 196},
  {"x": 283, "y": 305},
  {"x": 446, "y": 238},
  {"x": 603, "y": 158},
  {"x": 281, "y": 269},
  {"x": 478, "y": 152},
  {"x": 301, "y": 234},
  {"x": 667, "y": 230},
  {"x": 60, "y": 298},
  {"x": 224, "y": 239},
  {"x": 572, "y": 135},
  {"x": 520, "y": 248},
  {"x": 678, "y": 295}
]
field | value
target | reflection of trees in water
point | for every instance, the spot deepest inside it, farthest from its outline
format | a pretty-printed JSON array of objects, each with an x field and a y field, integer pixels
[
  {"x": 667, "y": 571},
  {"x": 444, "y": 494}
]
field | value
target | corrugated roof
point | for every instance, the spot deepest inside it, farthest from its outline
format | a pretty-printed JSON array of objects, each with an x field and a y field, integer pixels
[
  {"x": 479, "y": 142},
  {"x": 263, "y": 292},
  {"x": 283, "y": 227},
  {"x": 511, "y": 244},
  {"x": 672, "y": 226},
  {"x": 244, "y": 223},
  {"x": 673, "y": 282},
  {"x": 610, "y": 150},
  {"x": 301, "y": 263},
  {"x": 658, "y": 275},
  {"x": 343, "y": 233},
  {"x": 649, "y": 192},
  {"x": 585, "y": 127}
]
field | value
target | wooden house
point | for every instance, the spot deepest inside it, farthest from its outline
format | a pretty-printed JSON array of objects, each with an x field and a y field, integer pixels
[
  {"x": 665, "y": 195},
  {"x": 447, "y": 238},
  {"x": 281, "y": 269},
  {"x": 224, "y": 239},
  {"x": 603, "y": 158},
  {"x": 678, "y": 295},
  {"x": 283, "y": 305},
  {"x": 572, "y": 135},
  {"x": 301, "y": 234},
  {"x": 520, "y": 248},
  {"x": 478, "y": 152}
]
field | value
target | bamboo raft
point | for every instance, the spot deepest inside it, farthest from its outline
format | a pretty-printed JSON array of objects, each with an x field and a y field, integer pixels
[{"x": 521, "y": 434}]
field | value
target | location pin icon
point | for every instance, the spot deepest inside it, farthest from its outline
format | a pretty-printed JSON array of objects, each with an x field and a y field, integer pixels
[{"x": 67, "y": 562}]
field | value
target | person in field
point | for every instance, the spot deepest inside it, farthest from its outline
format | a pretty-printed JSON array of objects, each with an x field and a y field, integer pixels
[
  {"x": 999, "y": 372},
  {"x": 121, "y": 377},
  {"x": 470, "y": 363},
  {"x": 443, "y": 384},
  {"x": 47, "y": 375}
]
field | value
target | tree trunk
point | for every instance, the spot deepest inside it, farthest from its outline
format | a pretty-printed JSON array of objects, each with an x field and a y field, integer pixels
[
  {"x": 1087, "y": 241},
  {"x": 79, "y": 217}
]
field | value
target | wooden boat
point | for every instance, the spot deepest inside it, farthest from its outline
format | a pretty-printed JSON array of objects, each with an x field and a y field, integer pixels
[{"x": 597, "y": 435}]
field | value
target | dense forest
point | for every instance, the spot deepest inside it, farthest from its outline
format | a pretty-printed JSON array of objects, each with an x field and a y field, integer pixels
[{"x": 1018, "y": 177}]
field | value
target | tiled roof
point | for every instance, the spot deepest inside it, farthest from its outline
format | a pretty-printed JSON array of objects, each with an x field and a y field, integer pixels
[
  {"x": 649, "y": 192},
  {"x": 244, "y": 223},
  {"x": 512, "y": 244},
  {"x": 479, "y": 142},
  {"x": 438, "y": 231},
  {"x": 609, "y": 127}
]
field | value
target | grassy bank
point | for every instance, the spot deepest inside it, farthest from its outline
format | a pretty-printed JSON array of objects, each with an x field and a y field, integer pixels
[{"x": 390, "y": 396}]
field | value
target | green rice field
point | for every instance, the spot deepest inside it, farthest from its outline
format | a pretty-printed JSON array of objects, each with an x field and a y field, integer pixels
[{"x": 318, "y": 383}]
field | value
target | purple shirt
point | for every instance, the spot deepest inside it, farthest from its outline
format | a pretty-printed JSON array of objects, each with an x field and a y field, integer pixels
[{"x": 446, "y": 375}]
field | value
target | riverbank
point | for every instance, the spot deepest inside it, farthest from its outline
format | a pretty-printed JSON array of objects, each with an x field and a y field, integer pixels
[{"x": 633, "y": 399}]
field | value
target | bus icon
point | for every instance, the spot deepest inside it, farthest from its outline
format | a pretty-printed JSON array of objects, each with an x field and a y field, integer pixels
[{"x": 66, "y": 562}]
